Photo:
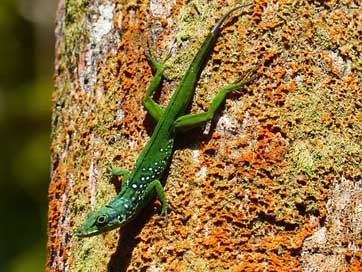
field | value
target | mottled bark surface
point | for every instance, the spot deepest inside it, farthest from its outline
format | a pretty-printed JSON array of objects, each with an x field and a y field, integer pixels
[{"x": 273, "y": 183}]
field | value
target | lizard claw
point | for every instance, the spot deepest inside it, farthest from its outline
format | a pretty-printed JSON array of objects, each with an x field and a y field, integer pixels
[
  {"x": 164, "y": 211},
  {"x": 247, "y": 77},
  {"x": 154, "y": 62}
]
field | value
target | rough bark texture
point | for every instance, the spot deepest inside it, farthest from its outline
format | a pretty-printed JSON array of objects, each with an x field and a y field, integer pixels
[{"x": 273, "y": 184}]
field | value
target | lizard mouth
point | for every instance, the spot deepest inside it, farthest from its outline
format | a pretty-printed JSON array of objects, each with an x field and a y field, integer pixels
[{"x": 82, "y": 232}]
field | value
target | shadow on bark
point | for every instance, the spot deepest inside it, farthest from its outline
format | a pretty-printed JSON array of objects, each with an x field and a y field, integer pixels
[{"x": 121, "y": 258}]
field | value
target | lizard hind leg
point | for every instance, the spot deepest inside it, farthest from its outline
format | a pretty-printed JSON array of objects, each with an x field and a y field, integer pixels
[
  {"x": 244, "y": 79},
  {"x": 153, "y": 108},
  {"x": 155, "y": 64},
  {"x": 191, "y": 120}
]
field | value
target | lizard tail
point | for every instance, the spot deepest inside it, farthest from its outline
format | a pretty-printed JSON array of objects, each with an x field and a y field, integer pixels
[{"x": 217, "y": 26}]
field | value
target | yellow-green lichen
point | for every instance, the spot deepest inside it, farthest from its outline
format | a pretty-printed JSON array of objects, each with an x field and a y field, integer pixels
[{"x": 73, "y": 30}]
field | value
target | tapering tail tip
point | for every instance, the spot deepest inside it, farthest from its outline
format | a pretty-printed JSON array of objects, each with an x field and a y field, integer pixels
[{"x": 217, "y": 26}]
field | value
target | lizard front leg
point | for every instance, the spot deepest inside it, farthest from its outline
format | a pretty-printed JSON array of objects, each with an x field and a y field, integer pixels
[{"x": 156, "y": 186}]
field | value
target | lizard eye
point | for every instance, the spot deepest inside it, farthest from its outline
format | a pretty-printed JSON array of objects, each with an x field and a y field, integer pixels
[
  {"x": 101, "y": 220},
  {"x": 121, "y": 219}
]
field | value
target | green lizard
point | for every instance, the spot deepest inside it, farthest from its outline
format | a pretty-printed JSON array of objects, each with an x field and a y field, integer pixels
[{"x": 140, "y": 186}]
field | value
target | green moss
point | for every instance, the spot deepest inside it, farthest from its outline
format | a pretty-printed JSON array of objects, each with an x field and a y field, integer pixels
[
  {"x": 73, "y": 30},
  {"x": 198, "y": 264},
  {"x": 319, "y": 146},
  {"x": 193, "y": 24}
]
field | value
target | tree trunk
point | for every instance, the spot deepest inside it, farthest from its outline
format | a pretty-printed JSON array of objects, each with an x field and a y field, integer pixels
[{"x": 272, "y": 183}]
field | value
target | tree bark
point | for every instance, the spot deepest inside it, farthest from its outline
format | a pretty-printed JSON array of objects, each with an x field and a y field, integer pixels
[{"x": 272, "y": 183}]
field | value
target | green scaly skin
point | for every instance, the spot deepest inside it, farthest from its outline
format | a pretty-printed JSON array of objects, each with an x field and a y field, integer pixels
[{"x": 140, "y": 186}]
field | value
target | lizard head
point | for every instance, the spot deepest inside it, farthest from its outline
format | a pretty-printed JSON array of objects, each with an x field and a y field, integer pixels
[{"x": 101, "y": 220}]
